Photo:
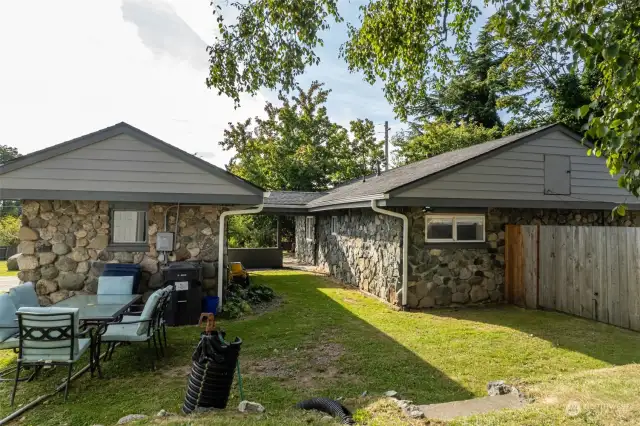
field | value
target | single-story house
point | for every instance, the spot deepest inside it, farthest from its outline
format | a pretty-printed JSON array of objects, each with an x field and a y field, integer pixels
[
  {"x": 432, "y": 233},
  {"x": 104, "y": 197}
]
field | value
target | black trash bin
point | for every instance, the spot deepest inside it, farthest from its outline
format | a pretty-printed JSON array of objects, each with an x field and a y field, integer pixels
[
  {"x": 186, "y": 299},
  {"x": 214, "y": 366}
]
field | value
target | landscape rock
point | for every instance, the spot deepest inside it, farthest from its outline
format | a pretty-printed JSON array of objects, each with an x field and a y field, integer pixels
[
  {"x": 49, "y": 272},
  {"x": 131, "y": 418},
  {"x": 46, "y": 258},
  {"x": 250, "y": 407},
  {"x": 27, "y": 234},
  {"x": 498, "y": 387},
  {"x": 45, "y": 287},
  {"x": 27, "y": 262},
  {"x": 70, "y": 281},
  {"x": 66, "y": 264},
  {"x": 60, "y": 249},
  {"x": 32, "y": 275},
  {"x": 58, "y": 296},
  {"x": 27, "y": 247},
  {"x": 149, "y": 265},
  {"x": 416, "y": 414},
  {"x": 12, "y": 262},
  {"x": 99, "y": 242},
  {"x": 391, "y": 394},
  {"x": 79, "y": 254}
]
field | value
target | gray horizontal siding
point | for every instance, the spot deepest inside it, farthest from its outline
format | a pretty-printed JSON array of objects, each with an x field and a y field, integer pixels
[
  {"x": 518, "y": 174},
  {"x": 121, "y": 163}
]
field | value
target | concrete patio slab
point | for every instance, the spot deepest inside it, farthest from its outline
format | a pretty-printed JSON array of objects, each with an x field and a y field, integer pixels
[
  {"x": 449, "y": 410},
  {"x": 7, "y": 282}
]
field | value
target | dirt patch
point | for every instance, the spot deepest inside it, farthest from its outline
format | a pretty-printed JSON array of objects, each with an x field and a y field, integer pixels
[
  {"x": 305, "y": 366},
  {"x": 182, "y": 371},
  {"x": 263, "y": 308}
]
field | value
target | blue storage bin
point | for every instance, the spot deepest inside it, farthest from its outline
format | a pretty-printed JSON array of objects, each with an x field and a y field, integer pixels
[
  {"x": 124, "y": 270},
  {"x": 210, "y": 304}
]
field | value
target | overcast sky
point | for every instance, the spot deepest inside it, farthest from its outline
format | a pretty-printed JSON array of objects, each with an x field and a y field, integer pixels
[{"x": 70, "y": 67}]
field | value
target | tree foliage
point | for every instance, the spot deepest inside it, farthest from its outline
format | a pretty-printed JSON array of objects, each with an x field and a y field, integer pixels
[
  {"x": 405, "y": 43},
  {"x": 296, "y": 147},
  {"x": 438, "y": 137},
  {"x": 9, "y": 228}
]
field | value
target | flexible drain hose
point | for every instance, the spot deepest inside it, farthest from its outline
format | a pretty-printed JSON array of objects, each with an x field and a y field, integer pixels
[{"x": 328, "y": 406}]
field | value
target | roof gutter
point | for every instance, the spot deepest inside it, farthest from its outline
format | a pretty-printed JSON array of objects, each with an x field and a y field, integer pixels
[
  {"x": 221, "y": 242},
  {"x": 405, "y": 246}
]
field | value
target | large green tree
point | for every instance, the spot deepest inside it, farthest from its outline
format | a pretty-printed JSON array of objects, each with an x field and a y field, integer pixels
[
  {"x": 8, "y": 207},
  {"x": 296, "y": 147},
  {"x": 402, "y": 42}
]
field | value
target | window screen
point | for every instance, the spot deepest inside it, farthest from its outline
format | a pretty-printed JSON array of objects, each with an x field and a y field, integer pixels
[
  {"x": 129, "y": 226},
  {"x": 454, "y": 228},
  {"x": 309, "y": 228}
]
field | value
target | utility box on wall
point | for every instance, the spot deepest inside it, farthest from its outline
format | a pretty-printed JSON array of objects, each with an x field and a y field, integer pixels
[{"x": 164, "y": 241}]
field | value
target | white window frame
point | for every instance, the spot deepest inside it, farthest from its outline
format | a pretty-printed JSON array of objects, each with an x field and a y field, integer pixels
[
  {"x": 118, "y": 214},
  {"x": 453, "y": 217},
  {"x": 309, "y": 227},
  {"x": 334, "y": 225}
]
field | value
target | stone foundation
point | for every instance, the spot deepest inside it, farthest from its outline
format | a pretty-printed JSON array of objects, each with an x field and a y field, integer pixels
[{"x": 64, "y": 245}]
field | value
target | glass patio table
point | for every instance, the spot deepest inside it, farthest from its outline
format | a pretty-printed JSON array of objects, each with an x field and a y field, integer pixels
[{"x": 98, "y": 311}]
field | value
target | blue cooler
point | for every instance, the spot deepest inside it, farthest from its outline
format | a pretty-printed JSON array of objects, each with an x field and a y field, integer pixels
[{"x": 210, "y": 304}]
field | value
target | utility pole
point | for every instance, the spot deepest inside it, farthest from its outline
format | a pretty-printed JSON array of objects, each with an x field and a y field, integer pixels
[{"x": 386, "y": 146}]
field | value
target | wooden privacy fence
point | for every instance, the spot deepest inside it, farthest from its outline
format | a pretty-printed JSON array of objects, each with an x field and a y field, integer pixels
[{"x": 590, "y": 271}]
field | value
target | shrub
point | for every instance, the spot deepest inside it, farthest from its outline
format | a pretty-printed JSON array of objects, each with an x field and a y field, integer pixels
[
  {"x": 9, "y": 228},
  {"x": 239, "y": 299}
]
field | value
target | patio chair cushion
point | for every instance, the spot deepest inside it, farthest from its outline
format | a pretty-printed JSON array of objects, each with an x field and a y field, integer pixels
[
  {"x": 124, "y": 333},
  {"x": 56, "y": 355},
  {"x": 147, "y": 312},
  {"x": 24, "y": 295},
  {"x": 55, "y": 347},
  {"x": 7, "y": 317},
  {"x": 115, "y": 285},
  {"x": 10, "y": 343}
]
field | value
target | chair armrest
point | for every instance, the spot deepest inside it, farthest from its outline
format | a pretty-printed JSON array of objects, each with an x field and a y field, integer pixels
[
  {"x": 8, "y": 326},
  {"x": 85, "y": 331},
  {"x": 129, "y": 322}
]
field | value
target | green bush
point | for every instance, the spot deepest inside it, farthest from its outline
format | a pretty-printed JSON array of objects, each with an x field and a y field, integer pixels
[
  {"x": 239, "y": 299},
  {"x": 9, "y": 228}
]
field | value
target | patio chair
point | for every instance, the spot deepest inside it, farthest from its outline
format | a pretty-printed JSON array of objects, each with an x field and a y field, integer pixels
[
  {"x": 115, "y": 285},
  {"x": 141, "y": 328},
  {"x": 51, "y": 336},
  {"x": 8, "y": 329},
  {"x": 24, "y": 295},
  {"x": 161, "y": 324}
]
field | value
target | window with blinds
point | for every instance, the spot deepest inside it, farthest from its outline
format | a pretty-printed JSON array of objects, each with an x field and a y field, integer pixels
[{"x": 129, "y": 226}]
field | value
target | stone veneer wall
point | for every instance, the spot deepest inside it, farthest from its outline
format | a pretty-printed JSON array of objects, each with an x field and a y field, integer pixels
[
  {"x": 305, "y": 250},
  {"x": 457, "y": 276},
  {"x": 366, "y": 252},
  {"x": 64, "y": 245}
]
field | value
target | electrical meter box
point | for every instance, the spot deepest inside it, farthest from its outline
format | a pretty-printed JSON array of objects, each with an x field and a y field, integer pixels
[{"x": 164, "y": 241}]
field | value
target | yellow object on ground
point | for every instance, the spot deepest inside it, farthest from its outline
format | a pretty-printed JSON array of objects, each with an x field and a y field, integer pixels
[{"x": 238, "y": 273}]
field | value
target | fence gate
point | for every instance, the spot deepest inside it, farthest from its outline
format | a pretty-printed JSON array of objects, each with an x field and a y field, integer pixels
[{"x": 592, "y": 272}]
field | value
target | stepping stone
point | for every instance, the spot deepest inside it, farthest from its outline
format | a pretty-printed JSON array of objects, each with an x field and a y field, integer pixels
[{"x": 449, "y": 410}]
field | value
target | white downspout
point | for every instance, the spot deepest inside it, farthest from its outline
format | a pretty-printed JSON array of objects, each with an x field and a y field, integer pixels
[
  {"x": 221, "y": 242},
  {"x": 405, "y": 246}
]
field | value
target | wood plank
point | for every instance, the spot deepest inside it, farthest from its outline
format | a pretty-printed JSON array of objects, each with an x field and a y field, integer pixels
[
  {"x": 544, "y": 293},
  {"x": 585, "y": 277},
  {"x": 508, "y": 280},
  {"x": 613, "y": 278},
  {"x": 599, "y": 272},
  {"x": 572, "y": 266},
  {"x": 561, "y": 268},
  {"x": 634, "y": 284},
  {"x": 624, "y": 250},
  {"x": 530, "y": 258}
]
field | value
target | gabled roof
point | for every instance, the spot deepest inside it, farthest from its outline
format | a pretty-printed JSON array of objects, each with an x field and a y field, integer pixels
[
  {"x": 291, "y": 198},
  {"x": 377, "y": 187},
  {"x": 126, "y": 129}
]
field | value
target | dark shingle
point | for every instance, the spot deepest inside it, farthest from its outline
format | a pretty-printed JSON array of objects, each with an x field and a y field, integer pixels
[{"x": 291, "y": 198}]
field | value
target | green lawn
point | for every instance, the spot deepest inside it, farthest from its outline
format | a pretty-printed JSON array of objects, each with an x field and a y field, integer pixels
[
  {"x": 324, "y": 340},
  {"x": 4, "y": 272}
]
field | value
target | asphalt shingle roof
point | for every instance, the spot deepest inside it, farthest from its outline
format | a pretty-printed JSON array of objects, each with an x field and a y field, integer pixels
[
  {"x": 292, "y": 198},
  {"x": 398, "y": 177}
]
